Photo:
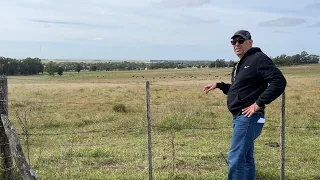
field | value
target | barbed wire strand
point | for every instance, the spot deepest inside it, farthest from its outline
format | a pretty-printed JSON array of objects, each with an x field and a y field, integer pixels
[
  {"x": 56, "y": 102},
  {"x": 80, "y": 132},
  {"x": 143, "y": 127}
]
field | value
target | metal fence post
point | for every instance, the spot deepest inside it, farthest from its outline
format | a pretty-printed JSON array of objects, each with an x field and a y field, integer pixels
[
  {"x": 149, "y": 130},
  {"x": 282, "y": 137}
]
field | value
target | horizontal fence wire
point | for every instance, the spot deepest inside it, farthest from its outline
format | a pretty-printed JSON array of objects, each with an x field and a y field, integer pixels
[
  {"x": 81, "y": 132},
  {"x": 74, "y": 156},
  {"x": 131, "y": 129},
  {"x": 66, "y": 145},
  {"x": 57, "y": 102},
  {"x": 21, "y": 78},
  {"x": 15, "y": 78},
  {"x": 109, "y": 156},
  {"x": 230, "y": 127}
]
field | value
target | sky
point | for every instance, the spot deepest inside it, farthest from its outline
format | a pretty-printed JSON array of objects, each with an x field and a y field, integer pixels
[{"x": 155, "y": 29}]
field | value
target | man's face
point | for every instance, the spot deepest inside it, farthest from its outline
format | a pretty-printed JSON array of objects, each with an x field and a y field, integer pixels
[{"x": 240, "y": 45}]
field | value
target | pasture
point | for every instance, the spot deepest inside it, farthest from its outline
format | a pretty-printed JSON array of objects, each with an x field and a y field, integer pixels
[{"x": 77, "y": 131}]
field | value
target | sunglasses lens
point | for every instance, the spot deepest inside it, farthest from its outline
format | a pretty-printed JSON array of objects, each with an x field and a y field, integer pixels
[{"x": 240, "y": 41}]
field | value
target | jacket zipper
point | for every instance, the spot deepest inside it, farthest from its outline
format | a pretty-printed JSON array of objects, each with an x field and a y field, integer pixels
[{"x": 235, "y": 71}]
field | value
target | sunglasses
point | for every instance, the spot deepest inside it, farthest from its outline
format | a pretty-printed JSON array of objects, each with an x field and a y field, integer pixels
[{"x": 240, "y": 41}]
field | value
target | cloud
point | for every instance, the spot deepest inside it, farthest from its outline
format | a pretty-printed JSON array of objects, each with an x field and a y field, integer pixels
[
  {"x": 280, "y": 32},
  {"x": 100, "y": 11},
  {"x": 275, "y": 10},
  {"x": 183, "y": 3},
  {"x": 189, "y": 20},
  {"x": 46, "y": 22},
  {"x": 213, "y": 21},
  {"x": 317, "y": 25},
  {"x": 313, "y": 6},
  {"x": 96, "y": 39},
  {"x": 283, "y": 22}
]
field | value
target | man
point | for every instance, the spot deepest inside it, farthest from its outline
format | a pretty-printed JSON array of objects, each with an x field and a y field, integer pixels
[{"x": 255, "y": 82}]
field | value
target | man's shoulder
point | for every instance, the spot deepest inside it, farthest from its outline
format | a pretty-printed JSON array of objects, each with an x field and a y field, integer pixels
[{"x": 261, "y": 56}]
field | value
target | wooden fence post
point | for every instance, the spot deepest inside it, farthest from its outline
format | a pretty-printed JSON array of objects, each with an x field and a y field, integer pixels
[
  {"x": 149, "y": 130},
  {"x": 26, "y": 172},
  {"x": 6, "y": 159},
  {"x": 282, "y": 136}
]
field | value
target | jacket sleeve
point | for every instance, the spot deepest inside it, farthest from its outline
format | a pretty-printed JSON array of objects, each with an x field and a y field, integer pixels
[
  {"x": 223, "y": 87},
  {"x": 277, "y": 82}
]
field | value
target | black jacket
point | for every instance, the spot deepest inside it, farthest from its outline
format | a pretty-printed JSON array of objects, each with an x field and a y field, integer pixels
[{"x": 254, "y": 79}]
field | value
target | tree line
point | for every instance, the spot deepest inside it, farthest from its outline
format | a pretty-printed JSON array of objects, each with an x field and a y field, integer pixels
[
  {"x": 298, "y": 59},
  {"x": 282, "y": 60},
  {"x": 32, "y": 66},
  {"x": 28, "y": 66}
]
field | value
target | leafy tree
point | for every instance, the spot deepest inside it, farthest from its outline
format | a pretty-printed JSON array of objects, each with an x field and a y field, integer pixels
[
  {"x": 212, "y": 65},
  {"x": 304, "y": 57},
  {"x": 93, "y": 68},
  {"x": 79, "y": 67},
  {"x": 60, "y": 70},
  {"x": 51, "y": 68},
  {"x": 24, "y": 68},
  {"x": 220, "y": 63},
  {"x": 34, "y": 64}
]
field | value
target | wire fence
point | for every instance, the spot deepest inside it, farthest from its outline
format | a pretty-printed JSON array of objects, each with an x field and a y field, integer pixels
[{"x": 166, "y": 147}]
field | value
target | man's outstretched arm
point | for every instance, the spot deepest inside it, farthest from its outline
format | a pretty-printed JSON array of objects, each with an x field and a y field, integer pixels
[{"x": 223, "y": 87}]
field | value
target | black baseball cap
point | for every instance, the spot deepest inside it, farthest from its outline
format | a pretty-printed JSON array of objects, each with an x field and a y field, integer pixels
[{"x": 243, "y": 33}]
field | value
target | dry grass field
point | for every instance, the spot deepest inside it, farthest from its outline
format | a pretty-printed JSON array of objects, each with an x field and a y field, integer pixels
[{"x": 77, "y": 131}]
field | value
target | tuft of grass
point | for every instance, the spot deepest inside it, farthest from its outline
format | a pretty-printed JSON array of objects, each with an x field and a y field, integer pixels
[
  {"x": 91, "y": 152},
  {"x": 120, "y": 108},
  {"x": 177, "y": 123},
  {"x": 18, "y": 105},
  {"x": 51, "y": 125}
]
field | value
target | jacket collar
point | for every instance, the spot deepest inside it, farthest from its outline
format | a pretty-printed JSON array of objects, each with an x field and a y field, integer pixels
[{"x": 251, "y": 51}]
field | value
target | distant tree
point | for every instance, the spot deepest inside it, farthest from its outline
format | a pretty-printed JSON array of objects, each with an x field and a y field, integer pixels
[
  {"x": 212, "y": 65},
  {"x": 60, "y": 70},
  {"x": 304, "y": 57},
  {"x": 314, "y": 58},
  {"x": 13, "y": 67},
  {"x": 79, "y": 67},
  {"x": 34, "y": 65},
  {"x": 221, "y": 63},
  {"x": 93, "y": 68},
  {"x": 23, "y": 68},
  {"x": 231, "y": 63},
  {"x": 295, "y": 59},
  {"x": 51, "y": 68}
]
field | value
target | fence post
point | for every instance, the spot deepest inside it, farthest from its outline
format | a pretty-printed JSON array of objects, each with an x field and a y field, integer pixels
[
  {"x": 26, "y": 172},
  {"x": 149, "y": 130},
  {"x": 6, "y": 160},
  {"x": 173, "y": 151},
  {"x": 282, "y": 136}
]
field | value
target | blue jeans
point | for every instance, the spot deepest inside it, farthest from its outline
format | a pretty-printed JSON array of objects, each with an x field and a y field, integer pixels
[{"x": 241, "y": 155}]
